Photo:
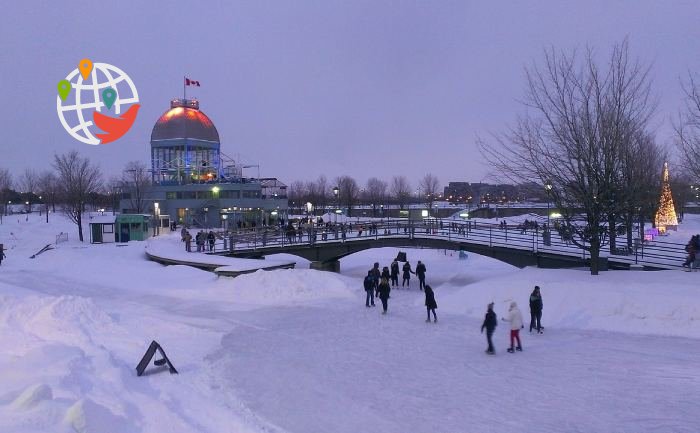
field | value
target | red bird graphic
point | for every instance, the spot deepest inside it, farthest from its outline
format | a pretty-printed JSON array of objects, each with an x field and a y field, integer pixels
[{"x": 114, "y": 127}]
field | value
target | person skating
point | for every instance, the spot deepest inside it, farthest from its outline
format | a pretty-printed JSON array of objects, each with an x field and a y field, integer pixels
[
  {"x": 516, "y": 323},
  {"x": 2, "y": 253},
  {"x": 407, "y": 271},
  {"x": 489, "y": 324},
  {"x": 430, "y": 304},
  {"x": 384, "y": 289},
  {"x": 536, "y": 310},
  {"x": 369, "y": 288},
  {"x": 420, "y": 272},
  {"x": 376, "y": 274},
  {"x": 385, "y": 273},
  {"x": 394, "y": 273}
]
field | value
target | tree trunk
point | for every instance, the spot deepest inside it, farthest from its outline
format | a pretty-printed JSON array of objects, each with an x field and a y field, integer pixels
[
  {"x": 80, "y": 226},
  {"x": 612, "y": 233},
  {"x": 595, "y": 254}
]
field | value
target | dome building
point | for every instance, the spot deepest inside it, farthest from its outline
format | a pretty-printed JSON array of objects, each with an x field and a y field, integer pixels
[
  {"x": 185, "y": 145},
  {"x": 194, "y": 183}
]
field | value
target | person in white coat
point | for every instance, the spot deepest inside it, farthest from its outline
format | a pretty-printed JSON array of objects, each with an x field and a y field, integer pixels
[{"x": 516, "y": 324}]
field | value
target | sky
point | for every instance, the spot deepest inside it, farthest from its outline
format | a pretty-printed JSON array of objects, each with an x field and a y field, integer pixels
[{"x": 304, "y": 88}]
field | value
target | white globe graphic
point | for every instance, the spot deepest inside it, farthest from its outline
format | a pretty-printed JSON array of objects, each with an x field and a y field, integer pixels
[{"x": 75, "y": 112}]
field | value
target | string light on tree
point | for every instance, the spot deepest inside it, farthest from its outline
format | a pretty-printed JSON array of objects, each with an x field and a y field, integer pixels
[{"x": 666, "y": 215}]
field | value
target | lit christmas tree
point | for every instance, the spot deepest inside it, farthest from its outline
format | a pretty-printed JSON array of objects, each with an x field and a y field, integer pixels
[{"x": 666, "y": 215}]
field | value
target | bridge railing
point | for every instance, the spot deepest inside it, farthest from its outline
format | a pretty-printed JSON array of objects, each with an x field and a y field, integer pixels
[{"x": 535, "y": 239}]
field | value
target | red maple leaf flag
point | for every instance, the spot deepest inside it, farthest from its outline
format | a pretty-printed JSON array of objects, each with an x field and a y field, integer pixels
[{"x": 189, "y": 82}]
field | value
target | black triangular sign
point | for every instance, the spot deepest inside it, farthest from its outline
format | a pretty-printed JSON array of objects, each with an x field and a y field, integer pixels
[{"x": 149, "y": 355}]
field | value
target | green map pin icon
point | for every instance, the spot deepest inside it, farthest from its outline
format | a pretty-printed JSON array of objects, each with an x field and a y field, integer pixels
[
  {"x": 64, "y": 89},
  {"x": 109, "y": 95}
]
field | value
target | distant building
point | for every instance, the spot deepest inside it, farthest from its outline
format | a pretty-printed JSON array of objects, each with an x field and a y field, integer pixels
[{"x": 194, "y": 183}]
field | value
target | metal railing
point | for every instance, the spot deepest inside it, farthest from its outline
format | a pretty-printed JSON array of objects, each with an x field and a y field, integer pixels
[{"x": 270, "y": 240}]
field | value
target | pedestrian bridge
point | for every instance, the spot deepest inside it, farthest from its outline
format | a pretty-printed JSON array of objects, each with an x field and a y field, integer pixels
[{"x": 324, "y": 246}]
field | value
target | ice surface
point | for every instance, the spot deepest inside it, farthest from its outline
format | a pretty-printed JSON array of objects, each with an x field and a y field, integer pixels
[{"x": 297, "y": 350}]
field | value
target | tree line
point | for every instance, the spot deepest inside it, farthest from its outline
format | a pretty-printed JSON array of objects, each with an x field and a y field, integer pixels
[
  {"x": 344, "y": 191},
  {"x": 74, "y": 185}
]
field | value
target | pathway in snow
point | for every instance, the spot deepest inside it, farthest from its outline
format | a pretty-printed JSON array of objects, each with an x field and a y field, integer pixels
[{"x": 346, "y": 368}]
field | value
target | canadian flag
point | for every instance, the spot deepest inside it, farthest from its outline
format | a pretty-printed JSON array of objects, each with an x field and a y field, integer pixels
[{"x": 189, "y": 82}]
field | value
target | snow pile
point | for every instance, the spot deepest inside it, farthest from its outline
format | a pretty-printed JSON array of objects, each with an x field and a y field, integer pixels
[
  {"x": 659, "y": 303},
  {"x": 288, "y": 287}
]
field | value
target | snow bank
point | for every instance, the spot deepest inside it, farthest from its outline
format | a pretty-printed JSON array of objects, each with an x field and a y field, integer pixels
[{"x": 288, "y": 287}]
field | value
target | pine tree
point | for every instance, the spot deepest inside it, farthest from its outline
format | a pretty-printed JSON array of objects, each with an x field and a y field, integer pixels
[{"x": 666, "y": 215}]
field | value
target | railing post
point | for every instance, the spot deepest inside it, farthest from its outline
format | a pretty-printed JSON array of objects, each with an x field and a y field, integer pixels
[{"x": 490, "y": 242}]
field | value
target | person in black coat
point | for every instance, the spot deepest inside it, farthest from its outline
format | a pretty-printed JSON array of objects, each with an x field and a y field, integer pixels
[
  {"x": 385, "y": 273},
  {"x": 394, "y": 273},
  {"x": 536, "y": 310},
  {"x": 430, "y": 304},
  {"x": 420, "y": 272},
  {"x": 376, "y": 274},
  {"x": 407, "y": 271},
  {"x": 384, "y": 290},
  {"x": 489, "y": 324},
  {"x": 369, "y": 288}
]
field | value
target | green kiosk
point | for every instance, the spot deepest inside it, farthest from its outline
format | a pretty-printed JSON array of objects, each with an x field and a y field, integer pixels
[{"x": 132, "y": 227}]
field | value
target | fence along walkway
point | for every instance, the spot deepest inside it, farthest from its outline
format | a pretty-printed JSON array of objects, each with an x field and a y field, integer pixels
[{"x": 652, "y": 254}]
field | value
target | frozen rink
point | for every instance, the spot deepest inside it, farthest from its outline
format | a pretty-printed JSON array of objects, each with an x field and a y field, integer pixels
[{"x": 297, "y": 351}]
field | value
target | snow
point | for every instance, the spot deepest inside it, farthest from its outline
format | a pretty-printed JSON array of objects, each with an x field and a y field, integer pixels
[{"x": 297, "y": 351}]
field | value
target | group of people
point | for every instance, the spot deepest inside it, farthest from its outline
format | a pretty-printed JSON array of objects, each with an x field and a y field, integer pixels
[
  {"x": 393, "y": 274},
  {"x": 515, "y": 318},
  {"x": 376, "y": 283},
  {"x": 201, "y": 240}
]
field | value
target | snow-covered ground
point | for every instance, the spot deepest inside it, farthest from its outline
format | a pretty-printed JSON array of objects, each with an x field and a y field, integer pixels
[{"x": 297, "y": 351}]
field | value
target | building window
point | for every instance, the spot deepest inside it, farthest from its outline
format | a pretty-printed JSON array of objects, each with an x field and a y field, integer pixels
[
  {"x": 171, "y": 195},
  {"x": 204, "y": 195},
  {"x": 229, "y": 194},
  {"x": 107, "y": 228}
]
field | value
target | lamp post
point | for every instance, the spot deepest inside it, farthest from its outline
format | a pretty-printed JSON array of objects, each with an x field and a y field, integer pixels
[
  {"x": 29, "y": 209},
  {"x": 548, "y": 189},
  {"x": 336, "y": 190}
]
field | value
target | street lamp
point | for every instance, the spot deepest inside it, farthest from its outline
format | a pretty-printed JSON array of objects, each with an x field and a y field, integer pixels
[
  {"x": 336, "y": 190},
  {"x": 548, "y": 189}
]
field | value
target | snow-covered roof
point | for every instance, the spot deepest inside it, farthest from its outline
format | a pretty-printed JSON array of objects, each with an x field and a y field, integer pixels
[{"x": 102, "y": 219}]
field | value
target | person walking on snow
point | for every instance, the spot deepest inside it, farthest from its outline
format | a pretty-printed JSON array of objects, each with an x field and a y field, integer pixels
[
  {"x": 430, "y": 304},
  {"x": 385, "y": 273},
  {"x": 420, "y": 271},
  {"x": 407, "y": 271},
  {"x": 489, "y": 324},
  {"x": 2, "y": 254},
  {"x": 394, "y": 273},
  {"x": 369, "y": 288},
  {"x": 536, "y": 310},
  {"x": 376, "y": 274},
  {"x": 516, "y": 323},
  {"x": 384, "y": 290}
]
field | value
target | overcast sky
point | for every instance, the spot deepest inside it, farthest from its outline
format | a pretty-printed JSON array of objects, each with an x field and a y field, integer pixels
[{"x": 303, "y": 88}]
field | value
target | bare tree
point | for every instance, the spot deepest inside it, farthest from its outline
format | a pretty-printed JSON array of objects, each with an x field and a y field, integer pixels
[
  {"x": 348, "y": 193},
  {"x": 5, "y": 186},
  {"x": 78, "y": 179},
  {"x": 136, "y": 180},
  {"x": 580, "y": 119},
  {"x": 322, "y": 192},
  {"x": 297, "y": 193},
  {"x": 400, "y": 190},
  {"x": 48, "y": 187},
  {"x": 688, "y": 130},
  {"x": 28, "y": 183},
  {"x": 376, "y": 193},
  {"x": 430, "y": 188}
]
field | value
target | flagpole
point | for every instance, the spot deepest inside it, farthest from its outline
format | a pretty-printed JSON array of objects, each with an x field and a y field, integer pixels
[{"x": 184, "y": 88}]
